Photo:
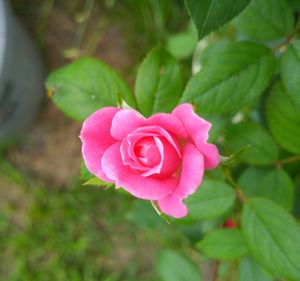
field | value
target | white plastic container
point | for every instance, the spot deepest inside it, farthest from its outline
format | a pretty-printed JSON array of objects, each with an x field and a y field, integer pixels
[{"x": 21, "y": 77}]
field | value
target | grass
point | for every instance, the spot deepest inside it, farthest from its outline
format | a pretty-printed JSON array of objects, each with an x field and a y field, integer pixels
[
  {"x": 78, "y": 233},
  {"x": 49, "y": 234}
]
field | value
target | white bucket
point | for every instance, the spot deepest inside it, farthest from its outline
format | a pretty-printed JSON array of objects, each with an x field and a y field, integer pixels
[{"x": 21, "y": 77}]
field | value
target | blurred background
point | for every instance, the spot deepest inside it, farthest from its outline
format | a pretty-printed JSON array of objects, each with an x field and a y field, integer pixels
[{"x": 52, "y": 227}]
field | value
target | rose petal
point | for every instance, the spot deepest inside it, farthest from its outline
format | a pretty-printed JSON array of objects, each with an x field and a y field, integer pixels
[
  {"x": 128, "y": 144},
  {"x": 190, "y": 179},
  {"x": 170, "y": 161},
  {"x": 173, "y": 206},
  {"x": 129, "y": 158},
  {"x": 168, "y": 122},
  {"x": 197, "y": 128},
  {"x": 125, "y": 122},
  {"x": 137, "y": 185},
  {"x": 156, "y": 169},
  {"x": 96, "y": 138},
  {"x": 211, "y": 155},
  {"x": 127, "y": 150},
  {"x": 159, "y": 131}
]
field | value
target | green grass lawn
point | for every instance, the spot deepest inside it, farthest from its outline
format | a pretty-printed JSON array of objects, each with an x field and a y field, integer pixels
[{"x": 76, "y": 233}]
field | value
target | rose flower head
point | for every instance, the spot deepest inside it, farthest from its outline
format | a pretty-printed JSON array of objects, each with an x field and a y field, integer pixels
[{"x": 160, "y": 158}]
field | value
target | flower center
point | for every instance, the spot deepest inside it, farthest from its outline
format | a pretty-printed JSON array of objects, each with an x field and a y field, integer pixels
[{"x": 147, "y": 152}]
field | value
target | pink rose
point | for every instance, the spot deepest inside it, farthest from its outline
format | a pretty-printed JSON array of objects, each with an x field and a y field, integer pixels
[{"x": 160, "y": 158}]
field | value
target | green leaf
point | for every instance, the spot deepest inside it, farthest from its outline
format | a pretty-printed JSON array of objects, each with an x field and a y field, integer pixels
[
  {"x": 273, "y": 237},
  {"x": 98, "y": 182},
  {"x": 249, "y": 270},
  {"x": 263, "y": 149},
  {"x": 143, "y": 215},
  {"x": 223, "y": 244},
  {"x": 182, "y": 45},
  {"x": 275, "y": 185},
  {"x": 211, "y": 193},
  {"x": 85, "y": 175},
  {"x": 172, "y": 266},
  {"x": 283, "y": 119},
  {"x": 85, "y": 86},
  {"x": 235, "y": 158},
  {"x": 212, "y": 50},
  {"x": 250, "y": 180},
  {"x": 290, "y": 71},
  {"x": 209, "y": 15},
  {"x": 278, "y": 186},
  {"x": 266, "y": 20},
  {"x": 295, "y": 4},
  {"x": 234, "y": 78},
  {"x": 219, "y": 124},
  {"x": 159, "y": 83}
]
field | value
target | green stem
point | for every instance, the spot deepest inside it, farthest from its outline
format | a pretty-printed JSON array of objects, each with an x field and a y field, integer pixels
[
  {"x": 286, "y": 41},
  {"x": 288, "y": 160},
  {"x": 89, "y": 4},
  {"x": 289, "y": 38},
  {"x": 216, "y": 266},
  {"x": 239, "y": 193}
]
